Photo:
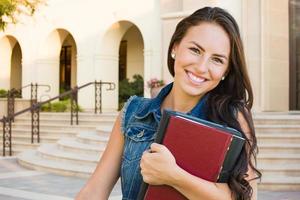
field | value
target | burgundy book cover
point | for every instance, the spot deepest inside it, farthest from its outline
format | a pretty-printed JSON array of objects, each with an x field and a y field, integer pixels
[{"x": 197, "y": 148}]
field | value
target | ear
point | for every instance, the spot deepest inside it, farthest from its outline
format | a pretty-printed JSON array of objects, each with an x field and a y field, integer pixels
[
  {"x": 226, "y": 72},
  {"x": 174, "y": 48}
]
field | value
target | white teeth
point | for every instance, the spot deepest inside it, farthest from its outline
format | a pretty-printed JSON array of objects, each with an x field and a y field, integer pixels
[{"x": 195, "y": 78}]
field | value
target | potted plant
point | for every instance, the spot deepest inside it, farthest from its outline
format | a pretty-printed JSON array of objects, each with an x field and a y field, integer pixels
[{"x": 155, "y": 86}]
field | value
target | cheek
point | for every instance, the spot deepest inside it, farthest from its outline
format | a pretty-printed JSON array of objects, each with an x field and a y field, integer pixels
[
  {"x": 218, "y": 73},
  {"x": 184, "y": 59},
  {"x": 217, "y": 76}
]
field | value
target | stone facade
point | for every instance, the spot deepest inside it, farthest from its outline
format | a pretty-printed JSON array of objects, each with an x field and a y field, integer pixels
[{"x": 30, "y": 51}]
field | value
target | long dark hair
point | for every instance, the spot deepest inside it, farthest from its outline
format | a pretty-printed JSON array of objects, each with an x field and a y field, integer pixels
[{"x": 233, "y": 95}]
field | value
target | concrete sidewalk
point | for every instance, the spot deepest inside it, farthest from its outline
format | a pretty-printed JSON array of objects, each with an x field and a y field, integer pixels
[{"x": 18, "y": 183}]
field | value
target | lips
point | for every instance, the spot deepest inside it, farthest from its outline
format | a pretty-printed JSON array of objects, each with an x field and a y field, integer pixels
[{"x": 195, "y": 79}]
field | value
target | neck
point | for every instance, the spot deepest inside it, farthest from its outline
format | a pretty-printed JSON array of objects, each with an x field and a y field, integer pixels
[{"x": 178, "y": 100}]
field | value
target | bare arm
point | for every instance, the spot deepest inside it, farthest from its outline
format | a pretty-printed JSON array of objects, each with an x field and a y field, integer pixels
[
  {"x": 107, "y": 172},
  {"x": 159, "y": 167},
  {"x": 166, "y": 171}
]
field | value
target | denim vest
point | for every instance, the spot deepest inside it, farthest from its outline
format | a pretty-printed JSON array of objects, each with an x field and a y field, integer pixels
[{"x": 140, "y": 120}]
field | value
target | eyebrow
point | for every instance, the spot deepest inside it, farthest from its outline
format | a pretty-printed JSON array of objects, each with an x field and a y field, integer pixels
[{"x": 200, "y": 47}]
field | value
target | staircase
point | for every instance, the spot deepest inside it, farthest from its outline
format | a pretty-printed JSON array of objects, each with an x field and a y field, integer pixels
[
  {"x": 77, "y": 156},
  {"x": 278, "y": 136},
  {"x": 53, "y": 126},
  {"x": 75, "y": 150}
]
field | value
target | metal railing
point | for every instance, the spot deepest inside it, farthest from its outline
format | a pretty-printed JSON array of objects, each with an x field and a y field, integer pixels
[
  {"x": 35, "y": 112},
  {"x": 13, "y": 93}
]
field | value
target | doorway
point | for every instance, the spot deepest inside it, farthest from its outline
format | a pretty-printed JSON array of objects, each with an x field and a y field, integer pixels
[
  {"x": 65, "y": 69},
  {"x": 294, "y": 26}
]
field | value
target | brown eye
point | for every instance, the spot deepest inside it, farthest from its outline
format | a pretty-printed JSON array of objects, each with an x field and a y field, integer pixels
[
  {"x": 217, "y": 60},
  {"x": 195, "y": 50}
]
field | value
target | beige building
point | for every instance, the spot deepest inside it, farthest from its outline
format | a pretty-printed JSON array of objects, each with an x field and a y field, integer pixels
[{"x": 68, "y": 43}]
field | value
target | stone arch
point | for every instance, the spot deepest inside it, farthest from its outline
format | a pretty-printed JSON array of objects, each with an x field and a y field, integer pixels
[
  {"x": 10, "y": 63},
  {"x": 107, "y": 55},
  {"x": 49, "y": 64}
]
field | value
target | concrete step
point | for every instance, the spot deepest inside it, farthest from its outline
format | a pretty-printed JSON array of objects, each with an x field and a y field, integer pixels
[
  {"x": 284, "y": 148},
  {"x": 280, "y": 183},
  {"x": 53, "y": 152},
  {"x": 32, "y": 160},
  {"x": 27, "y": 138},
  {"x": 67, "y": 115},
  {"x": 52, "y": 126},
  {"x": 72, "y": 145},
  {"x": 57, "y": 133},
  {"x": 268, "y": 138},
  {"x": 19, "y": 146},
  {"x": 25, "y": 145},
  {"x": 286, "y": 169},
  {"x": 278, "y": 128},
  {"x": 278, "y": 159},
  {"x": 276, "y": 118},
  {"x": 92, "y": 138},
  {"x": 93, "y": 122}
]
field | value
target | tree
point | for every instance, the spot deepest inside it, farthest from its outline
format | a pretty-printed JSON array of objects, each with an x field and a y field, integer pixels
[{"x": 11, "y": 9}]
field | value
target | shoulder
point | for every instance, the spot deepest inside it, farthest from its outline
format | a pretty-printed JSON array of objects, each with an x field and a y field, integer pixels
[
  {"x": 133, "y": 105},
  {"x": 243, "y": 122},
  {"x": 244, "y": 118}
]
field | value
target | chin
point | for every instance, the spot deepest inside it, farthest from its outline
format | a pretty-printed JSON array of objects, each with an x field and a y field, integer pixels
[{"x": 193, "y": 91}]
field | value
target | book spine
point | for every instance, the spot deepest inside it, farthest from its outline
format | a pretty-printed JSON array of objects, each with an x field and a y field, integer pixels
[
  {"x": 221, "y": 168},
  {"x": 232, "y": 155},
  {"x": 162, "y": 127}
]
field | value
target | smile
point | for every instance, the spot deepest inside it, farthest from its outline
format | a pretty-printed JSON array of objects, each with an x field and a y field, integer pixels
[{"x": 195, "y": 79}]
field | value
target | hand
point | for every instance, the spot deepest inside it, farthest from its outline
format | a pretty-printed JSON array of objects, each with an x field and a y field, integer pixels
[{"x": 158, "y": 165}]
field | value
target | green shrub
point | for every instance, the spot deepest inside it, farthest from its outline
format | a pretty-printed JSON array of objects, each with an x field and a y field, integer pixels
[
  {"x": 59, "y": 106},
  {"x": 46, "y": 107},
  {"x": 17, "y": 93},
  {"x": 63, "y": 88},
  {"x": 3, "y": 93},
  {"x": 128, "y": 88}
]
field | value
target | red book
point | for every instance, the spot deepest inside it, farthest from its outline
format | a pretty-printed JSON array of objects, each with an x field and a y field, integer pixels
[{"x": 202, "y": 148}]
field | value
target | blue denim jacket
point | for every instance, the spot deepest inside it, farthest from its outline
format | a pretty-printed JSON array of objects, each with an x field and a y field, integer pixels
[{"x": 140, "y": 120}]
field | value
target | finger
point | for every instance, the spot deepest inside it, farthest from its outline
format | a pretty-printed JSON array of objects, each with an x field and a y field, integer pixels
[
  {"x": 155, "y": 147},
  {"x": 147, "y": 151},
  {"x": 144, "y": 157}
]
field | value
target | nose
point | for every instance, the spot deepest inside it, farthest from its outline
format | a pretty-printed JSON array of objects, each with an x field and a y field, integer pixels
[{"x": 202, "y": 65}]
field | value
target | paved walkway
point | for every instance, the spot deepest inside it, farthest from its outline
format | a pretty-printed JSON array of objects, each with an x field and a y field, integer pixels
[{"x": 18, "y": 183}]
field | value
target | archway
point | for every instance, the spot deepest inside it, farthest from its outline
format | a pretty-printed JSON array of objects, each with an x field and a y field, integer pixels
[
  {"x": 57, "y": 65},
  {"x": 131, "y": 58},
  {"x": 294, "y": 56},
  {"x": 67, "y": 64},
  {"x": 10, "y": 63},
  {"x": 120, "y": 56}
]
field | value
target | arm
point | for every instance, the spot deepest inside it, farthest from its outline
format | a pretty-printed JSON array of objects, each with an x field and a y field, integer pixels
[
  {"x": 196, "y": 188},
  {"x": 106, "y": 174},
  {"x": 160, "y": 168},
  {"x": 253, "y": 183}
]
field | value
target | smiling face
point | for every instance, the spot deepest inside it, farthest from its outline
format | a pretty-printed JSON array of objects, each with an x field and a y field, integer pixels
[{"x": 201, "y": 59}]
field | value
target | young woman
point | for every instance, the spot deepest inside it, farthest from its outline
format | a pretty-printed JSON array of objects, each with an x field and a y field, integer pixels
[{"x": 206, "y": 59}]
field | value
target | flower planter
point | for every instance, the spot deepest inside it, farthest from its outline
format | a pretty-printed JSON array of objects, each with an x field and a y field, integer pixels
[{"x": 154, "y": 91}]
